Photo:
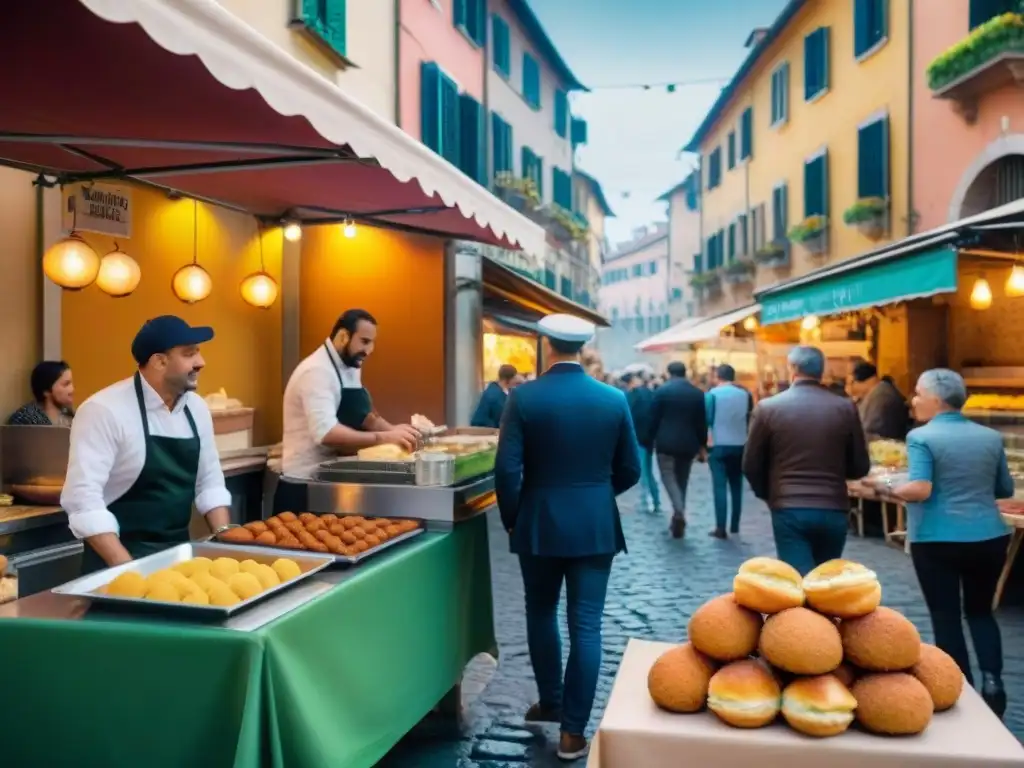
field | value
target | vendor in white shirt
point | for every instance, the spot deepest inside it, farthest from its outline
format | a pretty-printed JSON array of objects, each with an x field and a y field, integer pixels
[
  {"x": 328, "y": 411},
  {"x": 143, "y": 452}
]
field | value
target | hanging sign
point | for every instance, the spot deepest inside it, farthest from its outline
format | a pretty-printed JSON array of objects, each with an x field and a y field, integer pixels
[{"x": 101, "y": 208}]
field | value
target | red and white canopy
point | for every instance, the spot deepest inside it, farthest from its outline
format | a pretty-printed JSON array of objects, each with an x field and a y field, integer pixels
[{"x": 183, "y": 95}]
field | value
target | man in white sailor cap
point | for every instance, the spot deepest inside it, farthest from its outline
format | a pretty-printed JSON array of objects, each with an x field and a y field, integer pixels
[{"x": 567, "y": 448}]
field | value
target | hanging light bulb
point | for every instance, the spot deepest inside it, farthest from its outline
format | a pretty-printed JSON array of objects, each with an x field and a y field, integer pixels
[
  {"x": 71, "y": 263},
  {"x": 810, "y": 322},
  {"x": 259, "y": 289},
  {"x": 1015, "y": 282},
  {"x": 292, "y": 232},
  {"x": 750, "y": 324},
  {"x": 119, "y": 274},
  {"x": 981, "y": 294},
  {"x": 349, "y": 228},
  {"x": 192, "y": 283}
]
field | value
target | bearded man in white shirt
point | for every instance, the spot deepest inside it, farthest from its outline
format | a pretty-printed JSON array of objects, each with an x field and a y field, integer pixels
[{"x": 143, "y": 453}]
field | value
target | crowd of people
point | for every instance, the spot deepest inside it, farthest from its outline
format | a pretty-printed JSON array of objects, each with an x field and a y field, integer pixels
[{"x": 569, "y": 444}]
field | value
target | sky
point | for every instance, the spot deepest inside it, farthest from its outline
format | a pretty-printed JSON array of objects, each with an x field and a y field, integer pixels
[{"x": 634, "y": 135}]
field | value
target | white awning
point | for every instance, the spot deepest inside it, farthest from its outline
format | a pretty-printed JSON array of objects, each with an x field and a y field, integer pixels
[
  {"x": 240, "y": 58},
  {"x": 703, "y": 330},
  {"x": 665, "y": 339}
]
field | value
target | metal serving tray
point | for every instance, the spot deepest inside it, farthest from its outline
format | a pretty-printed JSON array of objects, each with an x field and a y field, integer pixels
[
  {"x": 87, "y": 586},
  {"x": 334, "y": 559}
]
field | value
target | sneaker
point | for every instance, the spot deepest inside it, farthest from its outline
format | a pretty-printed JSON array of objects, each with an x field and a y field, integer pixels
[
  {"x": 994, "y": 694},
  {"x": 538, "y": 713},
  {"x": 677, "y": 527},
  {"x": 572, "y": 747},
  {"x": 718, "y": 533}
]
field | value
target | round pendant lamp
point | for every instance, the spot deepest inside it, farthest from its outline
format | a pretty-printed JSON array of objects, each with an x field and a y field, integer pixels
[
  {"x": 192, "y": 283},
  {"x": 119, "y": 274},
  {"x": 981, "y": 294},
  {"x": 259, "y": 289}
]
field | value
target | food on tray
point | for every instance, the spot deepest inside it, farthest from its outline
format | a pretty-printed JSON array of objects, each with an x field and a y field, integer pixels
[
  {"x": 237, "y": 536},
  {"x": 871, "y": 668},
  {"x": 883, "y": 641},
  {"x": 801, "y": 641},
  {"x": 384, "y": 452},
  {"x": 985, "y": 402},
  {"x": 818, "y": 706},
  {"x": 724, "y": 630},
  {"x": 45, "y": 481},
  {"x": 744, "y": 694},
  {"x": 201, "y": 581},
  {"x": 842, "y": 589},
  {"x": 888, "y": 453},
  {"x": 894, "y": 704},
  {"x": 679, "y": 679},
  {"x": 346, "y": 535},
  {"x": 767, "y": 585},
  {"x": 940, "y": 675}
]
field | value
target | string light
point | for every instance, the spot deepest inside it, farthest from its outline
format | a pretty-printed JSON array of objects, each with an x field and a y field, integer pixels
[
  {"x": 292, "y": 232},
  {"x": 981, "y": 294},
  {"x": 349, "y": 229}
]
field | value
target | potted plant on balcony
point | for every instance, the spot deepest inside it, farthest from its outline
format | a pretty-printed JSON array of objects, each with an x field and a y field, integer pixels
[
  {"x": 739, "y": 271},
  {"x": 868, "y": 215},
  {"x": 566, "y": 225},
  {"x": 1001, "y": 34},
  {"x": 773, "y": 254},
  {"x": 708, "y": 280},
  {"x": 812, "y": 234},
  {"x": 521, "y": 194}
]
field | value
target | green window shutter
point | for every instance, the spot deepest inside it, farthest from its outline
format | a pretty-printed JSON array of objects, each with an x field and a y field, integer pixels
[
  {"x": 531, "y": 81},
  {"x": 873, "y": 159},
  {"x": 983, "y": 10},
  {"x": 561, "y": 113},
  {"x": 780, "y": 94},
  {"x": 775, "y": 97},
  {"x": 501, "y": 45},
  {"x": 861, "y": 26},
  {"x": 780, "y": 212},
  {"x": 579, "y": 131},
  {"x": 460, "y": 12},
  {"x": 501, "y": 140},
  {"x": 450, "y": 131},
  {"x": 732, "y": 150},
  {"x": 816, "y": 197},
  {"x": 526, "y": 158},
  {"x": 471, "y": 148},
  {"x": 698, "y": 263},
  {"x": 326, "y": 18},
  {"x": 430, "y": 105},
  {"x": 826, "y": 57},
  {"x": 747, "y": 133},
  {"x": 816, "y": 62},
  {"x": 732, "y": 242},
  {"x": 741, "y": 226},
  {"x": 476, "y": 21},
  {"x": 538, "y": 163}
]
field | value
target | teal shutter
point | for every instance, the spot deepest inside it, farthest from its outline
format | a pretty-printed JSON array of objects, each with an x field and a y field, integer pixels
[
  {"x": 698, "y": 263},
  {"x": 816, "y": 197},
  {"x": 861, "y": 26},
  {"x": 731, "y": 144},
  {"x": 501, "y": 140},
  {"x": 561, "y": 113},
  {"x": 776, "y": 97},
  {"x": 538, "y": 164},
  {"x": 471, "y": 124},
  {"x": 430, "y": 105},
  {"x": 780, "y": 212},
  {"x": 476, "y": 21},
  {"x": 450, "y": 133},
  {"x": 744, "y": 242},
  {"x": 826, "y": 56},
  {"x": 579, "y": 131},
  {"x": 873, "y": 160},
  {"x": 732, "y": 242},
  {"x": 816, "y": 56},
  {"x": 531, "y": 81},
  {"x": 326, "y": 18},
  {"x": 501, "y": 45},
  {"x": 460, "y": 12},
  {"x": 983, "y": 10},
  {"x": 747, "y": 133}
]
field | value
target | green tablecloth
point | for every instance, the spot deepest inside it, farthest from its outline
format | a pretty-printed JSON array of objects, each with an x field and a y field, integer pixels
[{"x": 334, "y": 683}]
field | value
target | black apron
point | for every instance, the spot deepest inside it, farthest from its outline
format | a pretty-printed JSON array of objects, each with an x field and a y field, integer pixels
[
  {"x": 355, "y": 406},
  {"x": 154, "y": 514}
]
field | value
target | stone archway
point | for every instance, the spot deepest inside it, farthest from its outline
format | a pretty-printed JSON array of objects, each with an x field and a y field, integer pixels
[{"x": 974, "y": 192}]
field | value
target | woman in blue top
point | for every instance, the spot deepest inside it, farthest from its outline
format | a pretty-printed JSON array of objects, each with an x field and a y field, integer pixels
[{"x": 958, "y": 539}]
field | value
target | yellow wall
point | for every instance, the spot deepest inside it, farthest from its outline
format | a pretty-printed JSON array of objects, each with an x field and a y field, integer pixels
[
  {"x": 858, "y": 91},
  {"x": 245, "y": 356},
  {"x": 397, "y": 278},
  {"x": 22, "y": 280}
]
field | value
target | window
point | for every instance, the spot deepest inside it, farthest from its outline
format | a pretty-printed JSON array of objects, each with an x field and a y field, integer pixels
[
  {"x": 757, "y": 237},
  {"x": 501, "y": 46},
  {"x": 471, "y": 18},
  {"x": 472, "y": 147},
  {"x": 983, "y": 10},
  {"x": 439, "y": 113},
  {"x": 561, "y": 188},
  {"x": 743, "y": 237},
  {"x": 716, "y": 250},
  {"x": 531, "y": 81},
  {"x": 562, "y": 114},
  {"x": 816, "y": 186},
  {"x": 652, "y": 268},
  {"x": 816, "y": 58},
  {"x": 638, "y": 270},
  {"x": 780, "y": 212},
  {"x": 533, "y": 168},
  {"x": 326, "y": 20},
  {"x": 873, "y": 159},
  {"x": 715, "y": 168},
  {"x": 677, "y": 294},
  {"x": 870, "y": 24},
  {"x": 747, "y": 134},
  {"x": 501, "y": 145},
  {"x": 698, "y": 262},
  {"x": 731, "y": 153},
  {"x": 578, "y": 130},
  {"x": 732, "y": 242},
  {"x": 780, "y": 94}
]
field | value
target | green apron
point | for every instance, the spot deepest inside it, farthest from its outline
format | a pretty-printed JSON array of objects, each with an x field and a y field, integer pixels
[
  {"x": 356, "y": 403},
  {"x": 154, "y": 514}
]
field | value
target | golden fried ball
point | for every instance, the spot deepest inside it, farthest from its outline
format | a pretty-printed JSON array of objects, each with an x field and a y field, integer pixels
[
  {"x": 221, "y": 594},
  {"x": 163, "y": 591},
  {"x": 940, "y": 674},
  {"x": 127, "y": 584},
  {"x": 267, "y": 539},
  {"x": 724, "y": 630},
  {"x": 201, "y": 564},
  {"x": 224, "y": 567},
  {"x": 267, "y": 576},
  {"x": 678, "y": 680},
  {"x": 801, "y": 641},
  {"x": 248, "y": 566},
  {"x": 846, "y": 673},
  {"x": 196, "y": 597},
  {"x": 245, "y": 585},
  {"x": 286, "y": 569},
  {"x": 883, "y": 641},
  {"x": 180, "y": 582},
  {"x": 203, "y": 579},
  {"x": 895, "y": 704}
]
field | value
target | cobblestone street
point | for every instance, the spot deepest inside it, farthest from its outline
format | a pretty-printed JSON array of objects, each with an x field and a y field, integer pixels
[{"x": 653, "y": 591}]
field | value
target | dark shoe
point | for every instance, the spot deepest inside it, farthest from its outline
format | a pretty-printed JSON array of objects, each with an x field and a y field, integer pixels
[
  {"x": 677, "y": 527},
  {"x": 993, "y": 692},
  {"x": 572, "y": 747},
  {"x": 540, "y": 714},
  {"x": 734, "y": 530},
  {"x": 718, "y": 533}
]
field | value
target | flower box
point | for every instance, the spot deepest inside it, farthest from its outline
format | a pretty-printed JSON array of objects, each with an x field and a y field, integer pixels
[
  {"x": 870, "y": 216},
  {"x": 774, "y": 254},
  {"x": 519, "y": 193},
  {"x": 739, "y": 271},
  {"x": 706, "y": 281},
  {"x": 812, "y": 234}
]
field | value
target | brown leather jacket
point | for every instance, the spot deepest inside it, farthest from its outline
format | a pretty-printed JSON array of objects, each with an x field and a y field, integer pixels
[{"x": 804, "y": 444}]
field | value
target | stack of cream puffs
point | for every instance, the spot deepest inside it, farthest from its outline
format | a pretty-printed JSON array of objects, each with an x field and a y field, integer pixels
[{"x": 818, "y": 650}]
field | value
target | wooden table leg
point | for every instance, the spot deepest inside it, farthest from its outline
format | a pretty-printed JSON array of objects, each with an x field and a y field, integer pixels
[{"x": 1011, "y": 556}]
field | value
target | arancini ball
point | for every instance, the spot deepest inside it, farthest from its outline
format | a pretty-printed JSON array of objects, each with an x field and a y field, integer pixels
[
  {"x": 245, "y": 585},
  {"x": 286, "y": 569},
  {"x": 256, "y": 527},
  {"x": 358, "y": 532},
  {"x": 287, "y": 517},
  {"x": 164, "y": 591},
  {"x": 267, "y": 539},
  {"x": 678, "y": 680},
  {"x": 127, "y": 584},
  {"x": 724, "y": 630},
  {"x": 883, "y": 641},
  {"x": 372, "y": 540},
  {"x": 196, "y": 597},
  {"x": 940, "y": 674},
  {"x": 267, "y": 576},
  {"x": 237, "y": 536},
  {"x": 273, "y": 523},
  {"x": 801, "y": 641},
  {"x": 393, "y": 530},
  {"x": 222, "y": 595},
  {"x": 248, "y": 566},
  {"x": 347, "y": 537},
  {"x": 201, "y": 564},
  {"x": 351, "y": 522},
  {"x": 894, "y": 704},
  {"x": 224, "y": 567},
  {"x": 203, "y": 580},
  {"x": 846, "y": 673},
  {"x": 360, "y": 546}
]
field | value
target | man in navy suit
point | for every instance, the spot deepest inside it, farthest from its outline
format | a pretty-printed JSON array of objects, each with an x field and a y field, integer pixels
[
  {"x": 567, "y": 449},
  {"x": 492, "y": 401}
]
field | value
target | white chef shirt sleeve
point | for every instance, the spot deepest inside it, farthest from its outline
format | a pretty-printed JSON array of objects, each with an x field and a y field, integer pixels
[
  {"x": 94, "y": 448},
  {"x": 211, "y": 492},
  {"x": 317, "y": 389}
]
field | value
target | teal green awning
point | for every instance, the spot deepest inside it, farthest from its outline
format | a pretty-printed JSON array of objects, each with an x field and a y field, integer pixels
[{"x": 908, "y": 277}]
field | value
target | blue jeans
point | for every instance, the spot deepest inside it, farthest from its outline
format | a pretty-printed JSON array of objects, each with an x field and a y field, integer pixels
[
  {"x": 806, "y": 538},
  {"x": 649, "y": 480},
  {"x": 727, "y": 476},
  {"x": 586, "y": 584}
]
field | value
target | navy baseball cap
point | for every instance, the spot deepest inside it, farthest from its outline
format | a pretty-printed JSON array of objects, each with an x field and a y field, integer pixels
[{"x": 164, "y": 333}]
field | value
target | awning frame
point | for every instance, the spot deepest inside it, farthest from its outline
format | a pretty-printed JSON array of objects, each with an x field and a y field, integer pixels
[{"x": 544, "y": 301}]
